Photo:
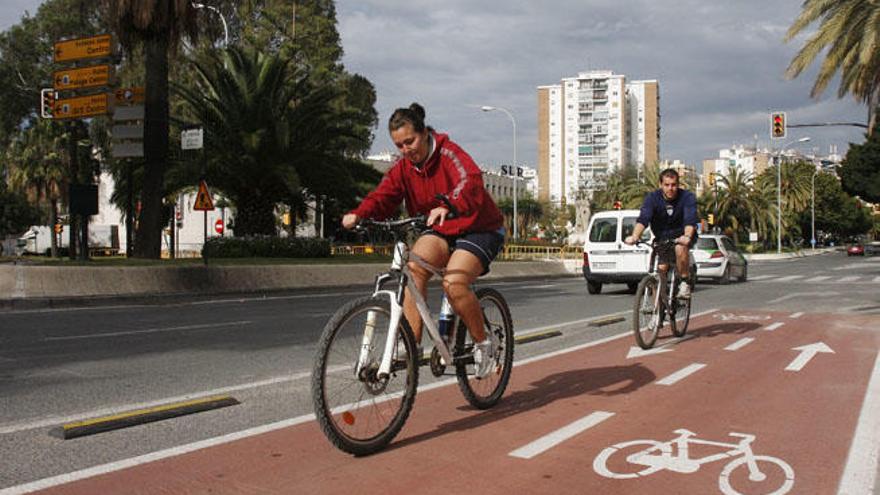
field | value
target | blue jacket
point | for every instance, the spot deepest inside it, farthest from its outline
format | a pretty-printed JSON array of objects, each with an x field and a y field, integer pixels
[{"x": 667, "y": 219}]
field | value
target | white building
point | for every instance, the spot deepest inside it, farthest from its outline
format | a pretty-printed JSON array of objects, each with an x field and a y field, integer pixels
[{"x": 591, "y": 125}]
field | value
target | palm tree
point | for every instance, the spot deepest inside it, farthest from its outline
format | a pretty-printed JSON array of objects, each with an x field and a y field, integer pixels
[
  {"x": 38, "y": 167},
  {"x": 158, "y": 25},
  {"x": 848, "y": 33},
  {"x": 734, "y": 201}
]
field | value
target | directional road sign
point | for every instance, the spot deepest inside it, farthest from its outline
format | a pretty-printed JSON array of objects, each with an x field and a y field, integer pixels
[
  {"x": 85, "y": 77},
  {"x": 129, "y": 96},
  {"x": 81, "y": 106},
  {"x": 83, "y": 48}
]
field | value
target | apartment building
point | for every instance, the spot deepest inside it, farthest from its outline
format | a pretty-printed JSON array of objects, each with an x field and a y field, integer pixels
[{"x": 590, "y": 125}]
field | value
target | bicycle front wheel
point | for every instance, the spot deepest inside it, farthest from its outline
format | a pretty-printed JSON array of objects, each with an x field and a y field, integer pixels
[
  {"x": 359, "y": 411},
  {"x": 648, "y": 313},
  {"x": 485, "y": 392}
]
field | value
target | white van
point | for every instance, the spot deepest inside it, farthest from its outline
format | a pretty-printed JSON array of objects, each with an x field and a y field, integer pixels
[{"x": 606, "y": 258}]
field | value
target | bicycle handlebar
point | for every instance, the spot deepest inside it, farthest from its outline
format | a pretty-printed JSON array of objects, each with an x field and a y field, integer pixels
[{"x": 413, "y": 222}]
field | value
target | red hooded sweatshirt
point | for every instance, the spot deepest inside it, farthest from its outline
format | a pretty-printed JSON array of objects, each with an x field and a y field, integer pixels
[{"x": 448, "y": 171}]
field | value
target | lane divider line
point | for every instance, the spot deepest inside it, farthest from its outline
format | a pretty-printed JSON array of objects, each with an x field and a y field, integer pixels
[
  {"x": 151, "y": 330},
  {"x": 797, "y": 315},
  {"x": 860, "y": 472},
  {"x": 773, "y": 326},
  {"x": 739, "y": 344},
  {"x": 681, "y": 374},
  {"x": 553, "y": 439},
  {"x": 141, "y": 416}
]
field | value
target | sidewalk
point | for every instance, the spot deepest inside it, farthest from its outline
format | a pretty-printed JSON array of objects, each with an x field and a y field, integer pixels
[
  {"x": 27, "y": 286},
  {"x": 784, "y": 256}
]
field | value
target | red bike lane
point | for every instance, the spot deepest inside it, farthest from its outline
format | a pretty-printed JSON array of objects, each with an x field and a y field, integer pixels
[{"x": 792, "y": 388}]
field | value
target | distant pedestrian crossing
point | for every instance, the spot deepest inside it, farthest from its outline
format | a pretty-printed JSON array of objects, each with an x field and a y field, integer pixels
[{"x": 824, "y": 279}]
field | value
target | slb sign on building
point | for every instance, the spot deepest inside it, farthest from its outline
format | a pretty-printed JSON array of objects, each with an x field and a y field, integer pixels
[{"x": 83, "y": 48}]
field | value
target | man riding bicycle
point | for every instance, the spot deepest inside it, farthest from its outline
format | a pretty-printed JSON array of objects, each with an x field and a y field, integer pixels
[{"x": 672, "y": 214}]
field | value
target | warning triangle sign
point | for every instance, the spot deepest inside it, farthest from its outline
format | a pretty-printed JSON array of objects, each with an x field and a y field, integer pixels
[{"x": 203, "y": 198}]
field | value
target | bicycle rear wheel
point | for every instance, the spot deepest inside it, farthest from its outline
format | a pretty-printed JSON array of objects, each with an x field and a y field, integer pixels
[
  {"x": 486, "y": 392},
  {"x": 648, "y": 313},
  {"x": 360, "y": 412}
]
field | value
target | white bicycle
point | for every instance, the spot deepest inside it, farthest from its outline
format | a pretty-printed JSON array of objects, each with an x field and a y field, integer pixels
[
  {"x": 651, "y": 456},
  {"x": 366, "y": 367}
]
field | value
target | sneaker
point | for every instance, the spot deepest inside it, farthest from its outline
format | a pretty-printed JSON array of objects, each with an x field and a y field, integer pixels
[
  {"x": 684, "y": 291},
  {"x": 483, "y": 358}
]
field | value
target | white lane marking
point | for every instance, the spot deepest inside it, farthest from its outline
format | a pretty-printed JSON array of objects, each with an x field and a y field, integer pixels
[
  {"x": 788, "y": 278},
  {"x": 150, "y": 330},
  {"x": 818, "y": 279},
  {"x": 555, "y": 438},
  {"x": 807, "y": 353},
  {"x": 545, "y": 286},
  {"x": 797, "y": 315},
  {"x": 258, "y": 430},
  {"x": 774, "y": 326},
  {"x": 681, "y": 374},
  {"x": 639, "y": 352},
  {"x": 739, "y": 344},
  {"x": 797, "y": 295},
  {"x": 760, "y": 277},
  {"x": 860, "y": 472},
  {"x": 851, "y": 278},
  {"x": 877, "y": 280}
]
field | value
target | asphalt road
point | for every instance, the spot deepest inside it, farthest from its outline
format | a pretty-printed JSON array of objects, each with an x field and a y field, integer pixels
[{"x": 59, "y": 366}]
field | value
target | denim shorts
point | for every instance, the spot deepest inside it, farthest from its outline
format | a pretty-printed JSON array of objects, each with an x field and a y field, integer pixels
[{"x": 484, "y": 245}]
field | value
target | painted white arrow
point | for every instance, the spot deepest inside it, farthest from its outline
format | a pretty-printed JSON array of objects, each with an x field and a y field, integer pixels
[
  {"x": 807, "y": 353},
  {"x": 639, "y": 352}
]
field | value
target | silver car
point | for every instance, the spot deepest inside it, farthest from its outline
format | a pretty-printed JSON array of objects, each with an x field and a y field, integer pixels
[{"x": 719, "y": 259}]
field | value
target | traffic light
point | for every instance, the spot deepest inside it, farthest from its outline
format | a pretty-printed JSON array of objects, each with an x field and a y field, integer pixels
[
  {"x": 711, "y": 179},
  {"x": 47, "y": 103},
  {"x": 777, "y": 125},
  {"x": 59, "y": 228},
  {"x": 618, "y": 205},
  {"x": 711, "y": 219}
]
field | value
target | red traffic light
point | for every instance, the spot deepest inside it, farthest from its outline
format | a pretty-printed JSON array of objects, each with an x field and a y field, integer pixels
[{"x": 777, "y": 125}]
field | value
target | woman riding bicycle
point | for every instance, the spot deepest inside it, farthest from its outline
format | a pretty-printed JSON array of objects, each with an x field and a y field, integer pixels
[{"x": 432, "y": 165}]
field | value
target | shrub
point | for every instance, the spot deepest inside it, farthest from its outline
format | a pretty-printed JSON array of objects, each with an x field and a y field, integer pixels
[{"x": 266, "y": 247}]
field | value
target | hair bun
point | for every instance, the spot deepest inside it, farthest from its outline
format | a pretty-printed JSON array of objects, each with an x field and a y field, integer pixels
[{"x": 418, "y": 110}]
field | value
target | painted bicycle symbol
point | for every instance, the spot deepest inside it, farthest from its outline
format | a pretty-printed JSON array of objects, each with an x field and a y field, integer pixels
[
  {"x": 651, "y": 456},
  {"x": 735, "y": 317}
]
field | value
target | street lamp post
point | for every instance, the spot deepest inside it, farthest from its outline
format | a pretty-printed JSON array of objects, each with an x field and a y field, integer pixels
[
  {"x": 813, "y": 210},
  {"x": 487, "y": 108},
  {"x": 779, "y": 193}
]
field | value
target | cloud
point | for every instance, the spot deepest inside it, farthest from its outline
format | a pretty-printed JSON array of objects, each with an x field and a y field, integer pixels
[{"x": 720, "y": 66}]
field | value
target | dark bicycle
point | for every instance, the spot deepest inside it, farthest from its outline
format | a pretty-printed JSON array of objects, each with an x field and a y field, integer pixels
[{"x": 657, "y": 305}]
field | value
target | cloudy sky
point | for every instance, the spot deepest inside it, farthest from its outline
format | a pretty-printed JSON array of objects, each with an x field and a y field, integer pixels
[{"x": 720, "y": 66}]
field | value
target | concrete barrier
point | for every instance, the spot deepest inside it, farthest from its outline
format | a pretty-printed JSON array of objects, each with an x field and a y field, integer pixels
[{"x": 56, "y": 284}]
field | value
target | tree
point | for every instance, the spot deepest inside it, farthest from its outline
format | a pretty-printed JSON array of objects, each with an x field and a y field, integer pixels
[
  {"x": 837, "y": 213},
  {"x": 848, "y": 34},
  {"x": 860, "y": 170},
  {"x": 157, "y": 25},
  {"x": 528, "y": 212},
  {"x": 16, "y": 214},
  {"x": 39, "y": 167},
  {"x": 270, "y": 135},
  {"x": 733, "y": 205}
]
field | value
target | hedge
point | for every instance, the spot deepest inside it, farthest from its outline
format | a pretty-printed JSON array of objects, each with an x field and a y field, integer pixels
[{"x": 266, "y": 247}]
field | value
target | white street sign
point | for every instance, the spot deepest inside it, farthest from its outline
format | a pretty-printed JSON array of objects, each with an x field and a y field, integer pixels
[
  {"x": 807, "y": 353},
  {"x": 753, "y": 237},
  {"x": 192, "y": 139}
]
